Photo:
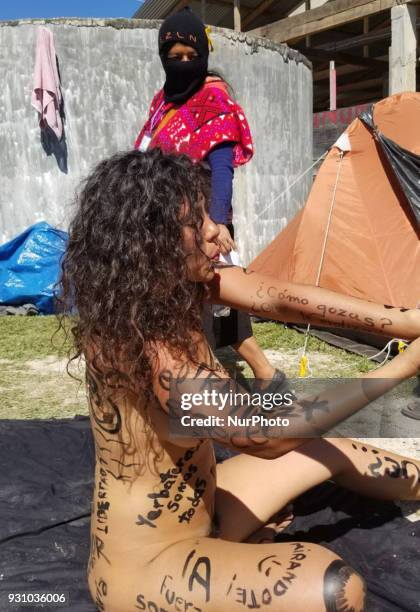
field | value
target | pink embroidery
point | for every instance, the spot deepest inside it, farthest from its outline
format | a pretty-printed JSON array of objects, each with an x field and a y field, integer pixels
[{"x": 207, "y": 119}]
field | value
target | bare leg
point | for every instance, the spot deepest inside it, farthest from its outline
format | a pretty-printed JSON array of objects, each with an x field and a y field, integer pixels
[
  {"x": 208, "y": 574},
  {"x": 257, "y": 488},
  {"x": 379, "y": 473},
  {"x": 251, "y": 352}
]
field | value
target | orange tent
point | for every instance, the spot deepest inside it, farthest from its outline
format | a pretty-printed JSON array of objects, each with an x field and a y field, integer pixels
[{"x": 359, "y": 230}]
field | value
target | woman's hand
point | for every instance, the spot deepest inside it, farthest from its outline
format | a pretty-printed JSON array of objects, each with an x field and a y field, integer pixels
[{"x": 224, "y": 240}]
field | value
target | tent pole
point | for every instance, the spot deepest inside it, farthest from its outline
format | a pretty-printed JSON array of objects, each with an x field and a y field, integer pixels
[
  {"x": 237, "y": 15},
  {"x": 333, "y": 87}
]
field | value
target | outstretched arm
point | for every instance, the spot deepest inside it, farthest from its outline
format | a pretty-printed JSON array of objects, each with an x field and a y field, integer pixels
[
  {"x": 268, "y": 297},
  {"x": 202, "y": 401}
]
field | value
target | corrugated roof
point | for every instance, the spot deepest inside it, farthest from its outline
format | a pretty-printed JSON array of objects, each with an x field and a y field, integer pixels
[
  {"x": 159, "y": 9},
  {"x": 217, "y": 13},
  {"x": 155, "y": 9}
]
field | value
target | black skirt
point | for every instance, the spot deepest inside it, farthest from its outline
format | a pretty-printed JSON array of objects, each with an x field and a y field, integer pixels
[{"x": 225, "y": 331}]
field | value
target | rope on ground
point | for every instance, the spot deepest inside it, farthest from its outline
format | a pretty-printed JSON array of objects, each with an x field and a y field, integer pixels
[{"x": 387, "y": 350}]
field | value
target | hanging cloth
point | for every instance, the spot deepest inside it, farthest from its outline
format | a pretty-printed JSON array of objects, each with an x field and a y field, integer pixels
[{"x": 46, "y": 94}]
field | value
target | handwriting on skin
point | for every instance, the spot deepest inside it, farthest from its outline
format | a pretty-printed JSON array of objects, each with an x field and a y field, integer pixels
[
  {"x": 100, "y": 593},
  {"x": 168, "y": 480},
  {"x": 283, "y": 295},
  {"x": 97, "y": 546},
  {"x": 305, "y": 417},
  {"x": 104, "y": 410},
  {"x": 346, "y": 318},
  {"x": 102, "y": 505},
  {"x": 282, "y": 575},
  {"x": 340, "y": 317},
  {"x": 172, "y": 598},
  {"x": 107, "y": 417},
  {"x": 389, "y": 466},
  {"x": 197, "y": 569},
  {"x": 197, "y": 575},
  {"x": 396, "y": 307}
]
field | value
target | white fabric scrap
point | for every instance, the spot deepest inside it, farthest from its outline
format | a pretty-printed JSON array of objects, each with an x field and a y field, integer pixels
[{"x": 343, "y": 143}]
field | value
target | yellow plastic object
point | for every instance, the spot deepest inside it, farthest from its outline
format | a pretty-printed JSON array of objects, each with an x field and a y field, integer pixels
[
  {"x": 401, "y": 346},
  {"x": 303, "y": 366},
  {"x": 208, "y": 30}
]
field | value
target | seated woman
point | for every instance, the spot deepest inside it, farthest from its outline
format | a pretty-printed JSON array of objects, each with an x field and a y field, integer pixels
[{"x": 171, "y": 530}]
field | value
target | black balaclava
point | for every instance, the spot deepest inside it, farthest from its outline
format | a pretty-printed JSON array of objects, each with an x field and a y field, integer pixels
[{"x": 183, "y": 79}]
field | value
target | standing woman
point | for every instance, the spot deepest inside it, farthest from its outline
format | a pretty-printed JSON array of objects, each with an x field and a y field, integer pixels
[{"x": 195, "y": 115}]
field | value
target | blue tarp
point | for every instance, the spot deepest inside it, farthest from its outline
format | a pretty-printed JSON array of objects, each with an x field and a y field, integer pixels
[{"x": 30, "y": 267}]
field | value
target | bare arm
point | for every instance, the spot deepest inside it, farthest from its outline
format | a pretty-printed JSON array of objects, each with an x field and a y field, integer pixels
[
  {"x": 177, "y": 385},
  {"x": 267, "y": 297}
]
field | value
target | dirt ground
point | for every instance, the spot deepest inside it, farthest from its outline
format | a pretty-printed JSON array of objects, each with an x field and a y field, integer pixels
[{"x": 41, "y": 389}]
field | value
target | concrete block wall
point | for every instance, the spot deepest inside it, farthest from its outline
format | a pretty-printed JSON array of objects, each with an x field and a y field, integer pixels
[{"x": 110, "y": 70}]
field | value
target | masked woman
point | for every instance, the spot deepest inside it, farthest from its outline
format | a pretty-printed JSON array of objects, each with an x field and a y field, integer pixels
[
  {"x": 194, "y": 114},
  {"x": 171, "y": 530}
]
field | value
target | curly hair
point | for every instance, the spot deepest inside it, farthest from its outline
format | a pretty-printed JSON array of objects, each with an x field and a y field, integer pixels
[{"x": 124, "y": 271}]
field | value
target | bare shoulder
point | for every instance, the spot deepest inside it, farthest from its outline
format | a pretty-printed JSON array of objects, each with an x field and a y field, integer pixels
[{"x": 171, "y": 368}]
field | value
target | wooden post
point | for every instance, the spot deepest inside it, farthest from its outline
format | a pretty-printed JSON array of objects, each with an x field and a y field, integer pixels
[
  {"x": 308, "y": 8},
  {"x": 237, "y": 15},
  {"x": 365, "y": 31},
  {"x": 333, "y": 87},
  {"x": 402, "y": 53}
]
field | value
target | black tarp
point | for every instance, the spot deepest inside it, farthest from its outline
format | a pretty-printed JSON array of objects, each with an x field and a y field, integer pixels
[
  {"x": 45, "y": 501},
  {"x": 46, "y": 485}
]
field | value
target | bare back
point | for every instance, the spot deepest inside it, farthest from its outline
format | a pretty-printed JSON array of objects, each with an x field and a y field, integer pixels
[
  {"x": 149, "y": 493},
  {"x": 153, "y": 543}
]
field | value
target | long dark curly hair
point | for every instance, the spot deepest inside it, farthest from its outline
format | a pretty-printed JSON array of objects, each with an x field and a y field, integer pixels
[{"x": 124, "y": 273}]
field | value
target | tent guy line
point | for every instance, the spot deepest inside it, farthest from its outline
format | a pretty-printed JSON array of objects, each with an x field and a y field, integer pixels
[
  {"x": 304, "y": 359},
  {"x": 288, "y": 188}
]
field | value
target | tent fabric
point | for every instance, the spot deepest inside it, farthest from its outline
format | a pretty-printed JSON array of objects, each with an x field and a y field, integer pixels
[
  {"x": 406, "y": 165},
  {"x": 30, "y": 267},
  {"x": 46, "y": 486},
  {"x": 372, "y": 248}
]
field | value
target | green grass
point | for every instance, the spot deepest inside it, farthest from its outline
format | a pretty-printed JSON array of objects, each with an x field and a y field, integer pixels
[
  {"x": 24, "y": 338},
  {"x": 34, "y": 354},
  {"x": 279, "y": 337},
  {"x": 274, "y": 336}
]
